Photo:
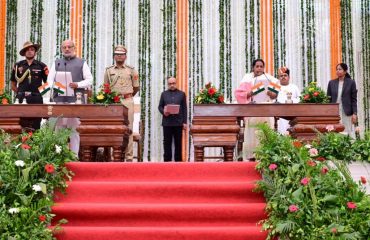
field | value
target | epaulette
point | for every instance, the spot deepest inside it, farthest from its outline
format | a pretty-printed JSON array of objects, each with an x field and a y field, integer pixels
[
  {"x": 112, "y": 66},
  {"x": 129, "y": 66}
]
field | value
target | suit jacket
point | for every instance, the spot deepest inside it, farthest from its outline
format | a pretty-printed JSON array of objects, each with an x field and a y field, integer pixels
[
  {"x": 173, "y": 97},
  {"x": 349, "y": 95}
]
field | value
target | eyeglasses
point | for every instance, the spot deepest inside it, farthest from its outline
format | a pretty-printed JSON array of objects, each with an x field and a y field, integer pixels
[{"x": 120, "y": 54}]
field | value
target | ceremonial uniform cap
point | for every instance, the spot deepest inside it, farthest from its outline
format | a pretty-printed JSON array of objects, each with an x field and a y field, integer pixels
[{"x": 28, "y": 44}]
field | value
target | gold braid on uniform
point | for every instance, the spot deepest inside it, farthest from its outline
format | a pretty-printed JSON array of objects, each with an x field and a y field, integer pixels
[{"x": 21, "y": 79}]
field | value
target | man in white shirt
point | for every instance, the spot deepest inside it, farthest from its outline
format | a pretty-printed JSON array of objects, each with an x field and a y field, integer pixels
[
  {"x": 289, "y": 93},
  {"x": 81, "y": 79}
]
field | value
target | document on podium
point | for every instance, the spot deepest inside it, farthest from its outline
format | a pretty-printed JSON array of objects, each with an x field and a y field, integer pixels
[{"x": 172, "y": 108}]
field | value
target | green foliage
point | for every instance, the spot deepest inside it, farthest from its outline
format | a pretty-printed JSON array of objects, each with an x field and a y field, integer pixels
[
  {"x": 313, "y": 94},
  {"x": 5, "y": 97},
  {"x": 308, "y": 197},
  {"x": 32, "y": 168},
  {"x": 209, "y": 95}
]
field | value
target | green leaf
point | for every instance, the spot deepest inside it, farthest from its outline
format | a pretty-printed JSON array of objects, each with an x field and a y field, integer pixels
[
  {"x": 43, "y": 187},
  {"x": 330, "y": 198},
  {"x": 297, "y": 194},
  {"x": 295, "y": 168},
  {"x": 26, "y": 173}
]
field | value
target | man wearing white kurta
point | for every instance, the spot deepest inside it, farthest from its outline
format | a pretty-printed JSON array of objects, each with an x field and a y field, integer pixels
[
  {"x": 286, "y": 89},
  {"x": 82, "y": 79},
  {"x": 250, "y": 92}
]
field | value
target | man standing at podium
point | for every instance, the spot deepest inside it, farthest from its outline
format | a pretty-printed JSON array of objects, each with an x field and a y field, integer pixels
[
  {"x": 172, "y": 106},
  {"x": 124, "y": 79},
  {"x": 27, "y": 76},
  {"x": 81, "y": 79}
]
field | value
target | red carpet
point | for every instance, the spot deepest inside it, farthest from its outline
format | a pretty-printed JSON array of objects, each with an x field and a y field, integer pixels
[{"x": 155, "y": 201}]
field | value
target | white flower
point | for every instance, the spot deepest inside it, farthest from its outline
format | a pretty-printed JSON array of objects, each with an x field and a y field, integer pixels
[
  {"x": 330, "y": 128},
  {"x": 313, "y": 152},
  {"x": 19, "y": 163},
  {"x": 13, "y": 210},
  {"x": 36, "y": 188},
  {"x": 58, "y": 149},
  {"x": 308, "y": 146}
]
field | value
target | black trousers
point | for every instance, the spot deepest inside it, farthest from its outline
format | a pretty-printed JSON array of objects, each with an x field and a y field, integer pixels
[{"x": 169, "y": 133}]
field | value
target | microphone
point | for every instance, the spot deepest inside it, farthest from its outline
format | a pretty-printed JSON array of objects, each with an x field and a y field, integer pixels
[
  {"x": 52, "y": 87},
  {"x": 65, "y": 77}
]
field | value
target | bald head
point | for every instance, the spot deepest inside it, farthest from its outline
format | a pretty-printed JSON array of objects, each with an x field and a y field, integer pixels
[
  {"x": 68, "y": 48},
  {"x": 171, "y": 82}
]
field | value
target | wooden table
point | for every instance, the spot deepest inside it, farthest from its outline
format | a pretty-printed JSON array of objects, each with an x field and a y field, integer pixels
[
  {"x": 216, "y": 125},
  {"x": 101, "y": 126}
]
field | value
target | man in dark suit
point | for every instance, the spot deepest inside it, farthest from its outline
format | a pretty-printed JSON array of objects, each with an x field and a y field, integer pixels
[{"x": 172, "y": 106}]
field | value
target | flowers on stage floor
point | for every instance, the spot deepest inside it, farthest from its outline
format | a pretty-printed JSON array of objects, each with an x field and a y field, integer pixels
[
  {"x": 5, "y": 98},
  {"x": 209, "y": 95},
  {"x": 106, "y": 96},
  {"x": 313, "y": 94}
]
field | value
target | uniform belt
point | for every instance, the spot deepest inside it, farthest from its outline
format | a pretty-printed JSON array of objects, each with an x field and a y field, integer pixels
[{"x": 128, "y": 95}]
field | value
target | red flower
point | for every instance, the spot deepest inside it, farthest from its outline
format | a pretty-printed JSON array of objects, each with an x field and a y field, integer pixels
[
  {"x": 106, "y": 85},
  {"x": 305, "y": 181},
  {"x": 25, "y": 146},
  {"x": 4, "y": 101},
  {"x": 293, "y": 208},
  {"x": 334, "y": 230},
  {"x": 321, "y": 159},
  {"x": 363, "y": 180},
  {"x": 24, "y": 139},
  {"x": 273, "y": 167},
  {"x": 324, "y": 170},
  {"x": 107, "y": 90},
  {"x": 49, "y": 168},
  {"x": 116, "y": 99},
  {"x": 297, "y": 144},
  {"x": 211, "y": 91},
  {"x": 220, "y": 99},
  {"x": 316, "y": 94},
  {"x": 306, "y": 97},
  {"x": 311, "y": 163},
  {"x": 42, "y": 218},
  {"x": 351, "y": 205},
  {"x": 208, "y": 85}
]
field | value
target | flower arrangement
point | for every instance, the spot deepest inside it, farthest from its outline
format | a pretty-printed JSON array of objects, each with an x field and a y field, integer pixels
[
  {"x": 309, "y": 195},
  {"x": 32, "y": 168},
  {"x": 209, "y": 95},
  {"x": 313, "y": 94},
  {"x": 4, "y": 98},
  {"x": 106, "y": 96}
]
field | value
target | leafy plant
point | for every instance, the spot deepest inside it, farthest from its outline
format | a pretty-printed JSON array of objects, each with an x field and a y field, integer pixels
[
  {"x": 209, "y": 95},
  {"x": 313, "y": 94},
  {"x": 308, "y": 196},
  {"x": 32, "y": 168},
  {"x": 5, "y": 97}
]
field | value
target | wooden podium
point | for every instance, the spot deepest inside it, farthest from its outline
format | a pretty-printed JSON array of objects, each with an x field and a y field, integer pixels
[
  {"x": 216, "y": 125},
  {"x": 101, "y": 126}
]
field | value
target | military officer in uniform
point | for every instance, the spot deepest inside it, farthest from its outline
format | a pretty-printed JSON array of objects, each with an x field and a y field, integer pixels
[
  {"x": 124, "y": 79},
  {"x": 27, "y": 76}
]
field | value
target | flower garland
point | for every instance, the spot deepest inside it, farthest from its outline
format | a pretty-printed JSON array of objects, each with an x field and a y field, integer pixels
[
  {"x": 89, "y": 37},
  {"x": 279, "y": 20},
  {"x": 252, "y": 32},
  {"x": 308, "y": 37},
  {"x": 347, "y": 38},
  {"x": 365, "y": 20},
  {"x": 196, "y": 72},
  {"x": 63, "y": 21},
  {"x": 225, "y": 48},
  {"x": 169, "y": 40},
  {"x": 145, "y": 71},
  {"x": 36, "y": 23},
  {"x": 11, "y": 39},
  {"x": 119, "y": 30}
]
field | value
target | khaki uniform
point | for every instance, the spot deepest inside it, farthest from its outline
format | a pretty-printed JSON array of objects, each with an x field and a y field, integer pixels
[{"x": 123, "y": 80}]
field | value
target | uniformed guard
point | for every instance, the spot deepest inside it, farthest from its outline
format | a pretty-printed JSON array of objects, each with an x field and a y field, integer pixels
[
  {"x": 27, "y": 76},
  {"x": 124, "y": 79}
]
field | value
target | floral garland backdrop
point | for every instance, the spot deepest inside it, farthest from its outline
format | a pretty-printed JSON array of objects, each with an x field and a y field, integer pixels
[
  {"x": 279, "y": 19},
  {"x": 63, "y": 19},
  {"x": 11, "y": 39},
  {"x": 365, "y": 20},
  {"x": 36, "y": 23},
  {"x": 252, "y": 32},
  {"x": 347, "y": 39},
  {"x": 89, "y": 37},
  {"x": 118, "y": 7},
  {"x": 225, "y": 77}
]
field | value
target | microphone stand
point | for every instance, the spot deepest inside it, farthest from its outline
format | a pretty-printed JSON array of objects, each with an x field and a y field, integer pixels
[{"x": 65, "y": 77}]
